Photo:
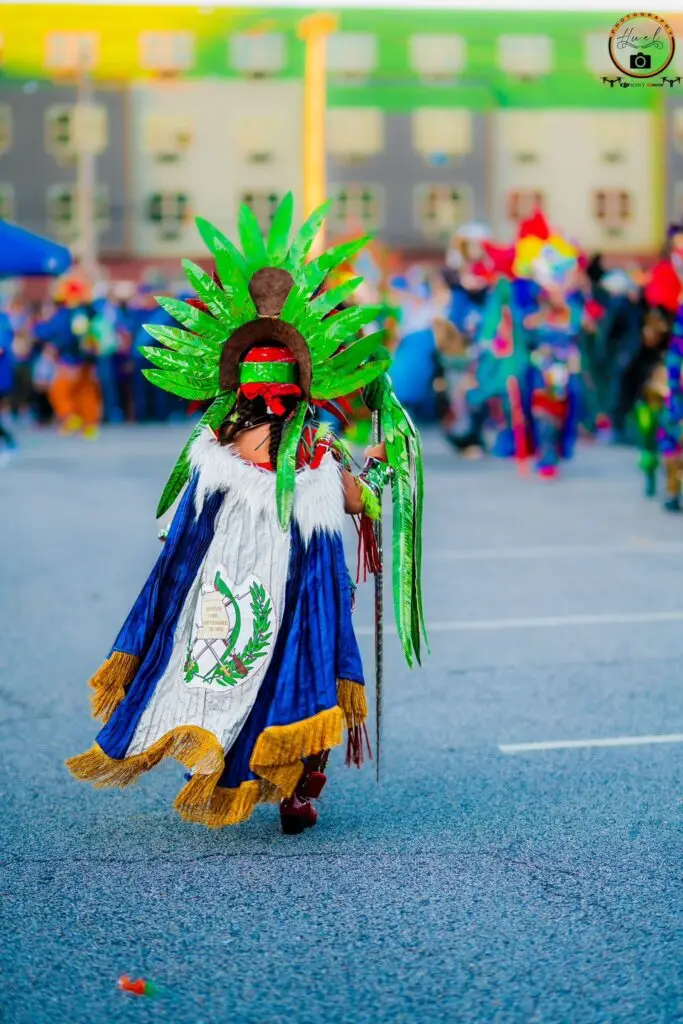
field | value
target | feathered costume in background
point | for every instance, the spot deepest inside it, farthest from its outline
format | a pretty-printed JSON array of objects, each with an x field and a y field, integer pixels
[
  {"x": 239, "y": 657},
  {"x": 530, "y": 361}
]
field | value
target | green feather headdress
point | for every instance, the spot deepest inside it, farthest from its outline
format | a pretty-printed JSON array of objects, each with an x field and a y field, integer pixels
[{"x": 270, "y": 291}]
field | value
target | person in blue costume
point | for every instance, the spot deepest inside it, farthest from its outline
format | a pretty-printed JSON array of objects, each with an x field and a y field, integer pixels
[
  {"x": 239, "y": 657},
  {"x": 670, "y": 422},
  {"x": 468, "y": 276},
  {"x": 554, "y": 380},
  {"x": 6, "y": 373},
  {"x": 421, "y": 300},
  {"x": 75, "y": 393}
]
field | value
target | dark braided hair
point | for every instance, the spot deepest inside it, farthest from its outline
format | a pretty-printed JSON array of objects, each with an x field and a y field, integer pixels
[{"x": 249, "y": 413}]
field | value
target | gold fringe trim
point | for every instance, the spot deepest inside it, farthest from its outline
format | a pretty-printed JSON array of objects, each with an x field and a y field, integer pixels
[
  {"x": 276, "y": 758},
  {"x": 352, "y": 699},
  {"x": 197, "y": 749},
  {"x": 228, "y": 806},
  {"x": 278, "y": 752},
  {"x": 110, "y": 682}
]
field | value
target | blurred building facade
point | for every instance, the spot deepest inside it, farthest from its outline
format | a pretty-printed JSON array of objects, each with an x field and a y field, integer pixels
[{"x": 434, "y": 119}]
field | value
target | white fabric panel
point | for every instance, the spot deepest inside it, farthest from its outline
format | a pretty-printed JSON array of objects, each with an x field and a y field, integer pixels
[{"x": 248, "y": 543}]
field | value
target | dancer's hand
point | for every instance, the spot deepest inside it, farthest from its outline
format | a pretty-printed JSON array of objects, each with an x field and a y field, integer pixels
[{"x": 377, "y": 451}]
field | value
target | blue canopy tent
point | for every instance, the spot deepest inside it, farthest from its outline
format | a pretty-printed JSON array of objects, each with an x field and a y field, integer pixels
[{"x": 23, "y": 254}]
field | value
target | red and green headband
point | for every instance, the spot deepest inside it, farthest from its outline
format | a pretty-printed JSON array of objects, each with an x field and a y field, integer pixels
[{"x": 270, "y": 372}]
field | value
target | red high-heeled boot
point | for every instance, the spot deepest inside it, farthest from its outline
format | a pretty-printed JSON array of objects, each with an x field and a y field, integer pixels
[
  {"x": 312, "y": 785},
  {"x": 296, "y": 815}
]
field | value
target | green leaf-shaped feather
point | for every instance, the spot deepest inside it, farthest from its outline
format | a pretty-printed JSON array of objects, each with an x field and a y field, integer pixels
[
  {"x": 233, "y": 306},
  {"x": 180, "y": 363},
  {"x": 286, "y": 465},
  {"x": 339, "y": 329},
  {"x": 314, "y": 273},
  {"x": 195, "y": 319},
  {"x": 355, "y": 354},
  {"x": 337, "y": 387},
  {"x": 253, "y": 246},
  {"x": 280, "y": 230},
  {"x": 329, "y": 300},
  {"x": 194, "y": 389},
  {"x": 213, "y": 417},
  {"x": 201, "y": 350},
  {"x": 403, "y": 531},
  {"x": 229, "y": 260},
  {"x": 301, "y": 246}
]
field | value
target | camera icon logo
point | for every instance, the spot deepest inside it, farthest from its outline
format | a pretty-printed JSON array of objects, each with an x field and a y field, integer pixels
[
  {"x": 640, "y": 61},
  {"x": 641, "y": 46}
]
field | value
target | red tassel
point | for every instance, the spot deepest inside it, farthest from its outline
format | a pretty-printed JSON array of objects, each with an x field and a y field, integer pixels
[
  {"x": 357, "y": 746},
  {"x": 368, "y": 552},
  {"x": 333, "y": 408}
]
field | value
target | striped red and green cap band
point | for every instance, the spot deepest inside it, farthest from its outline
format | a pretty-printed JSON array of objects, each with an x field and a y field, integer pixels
[
  {"x": 269, "y": 364},
  {"x": 268, "y": 373}
]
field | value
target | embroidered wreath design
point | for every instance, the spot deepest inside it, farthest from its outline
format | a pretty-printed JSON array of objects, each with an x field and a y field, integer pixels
[{"x": 232, "y": 667}]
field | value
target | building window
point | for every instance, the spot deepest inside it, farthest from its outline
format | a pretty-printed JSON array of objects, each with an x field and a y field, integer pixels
[
  {"x": 5, "y": 127},
  {"x": 63, "y": 212},
  {"x": 524, "y": 203},
  {"x": 356, "y": 207},
  {"x": 440, "y": 209},
  {"x": 355, "y": 133},
  {"x": 60, "y": 133},
  {"x": 525, "y": 56},
  {"x": 168, "y": 211},
  {"x": 678, "y": 202},
  {"x": 71, "y": 128},
  {"x": 520, "y": 137},
  {"x": 613, "y": 209},
  {"x": 258, "y": 55},
  {"x": 166, "y": 52},
  {"x": 256, "y": 138},
  {"x": 263, "y": 204},
  {"x": 440, "y": 135},
  {"x": 437, "y": 58},
  {"x": 168, "y": 136},
  {"x": 598, "y": 60},
  {"x": 7, "y": 208},
  {"x": 352, "y": 56},
  {"x": 677, "y": 128},
  {"x": 71, "y": 51},
  {"x": 612, "y": 137}
]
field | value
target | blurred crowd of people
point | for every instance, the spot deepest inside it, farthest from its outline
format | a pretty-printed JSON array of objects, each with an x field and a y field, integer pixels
[
  {"x": 514, "y": 350},
  {"x": 519, "y": 350},
  {"x": 75, "y": 359}
]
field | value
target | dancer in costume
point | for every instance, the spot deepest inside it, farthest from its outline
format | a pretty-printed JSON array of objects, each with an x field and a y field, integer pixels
[
  {"x": 75, "y": 393},
  {"x": 239, "y": 657},
  {"x": 670, "y": 421},
  {"x": 656, "y": 373},
  {"x": 552, "y": 387}
]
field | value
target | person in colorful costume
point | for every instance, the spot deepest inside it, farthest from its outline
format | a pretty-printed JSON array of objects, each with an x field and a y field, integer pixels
[
  {"x": 549, "y": 394},
  {"x": 239, "y": 657},
  {"x": 658, "y": 383},
  {"x": 75, "y": 393},
  {"x": 477, "y": 387}
]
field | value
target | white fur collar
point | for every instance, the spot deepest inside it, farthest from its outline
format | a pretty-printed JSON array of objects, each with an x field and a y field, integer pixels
[{"x": 318, "y": 493}]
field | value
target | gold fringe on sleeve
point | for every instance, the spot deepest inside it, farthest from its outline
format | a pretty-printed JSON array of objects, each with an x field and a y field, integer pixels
[
  {"x": 110, "y": 682},
  {"x": 277, "y": 759}
]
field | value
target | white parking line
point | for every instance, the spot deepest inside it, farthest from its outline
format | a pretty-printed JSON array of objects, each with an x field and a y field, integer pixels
[
  {"x": 620, "y": 741},
  {"x": 553, "y": 622}
]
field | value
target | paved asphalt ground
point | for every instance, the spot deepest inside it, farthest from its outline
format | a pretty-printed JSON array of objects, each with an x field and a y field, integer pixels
[{"x": 476, "y": 885}]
